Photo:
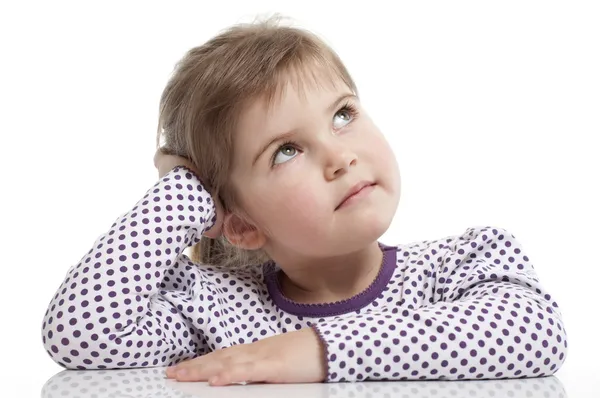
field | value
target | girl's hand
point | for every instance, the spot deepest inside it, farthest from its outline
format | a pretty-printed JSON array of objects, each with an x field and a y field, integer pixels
[
  {"x": 293, "y": 357},
  {"x": 165, "y": 163}
]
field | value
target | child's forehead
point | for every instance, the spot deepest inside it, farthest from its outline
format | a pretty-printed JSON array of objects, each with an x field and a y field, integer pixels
[{"x": 305, "y": 83}]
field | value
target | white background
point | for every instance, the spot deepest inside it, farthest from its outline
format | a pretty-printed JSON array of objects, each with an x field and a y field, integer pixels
[{"x": 492, "y": 108}]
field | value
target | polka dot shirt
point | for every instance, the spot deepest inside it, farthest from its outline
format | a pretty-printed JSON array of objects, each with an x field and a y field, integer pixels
[{"x": 467, "y": 306}]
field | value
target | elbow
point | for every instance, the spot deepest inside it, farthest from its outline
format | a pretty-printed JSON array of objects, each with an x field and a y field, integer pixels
[
  {"x": 556, "y": 335},
  {"x": 61, "y": 355},
  {"x": 67, "y": 354},
  {"x": 558, "y": 352},
  {"x": 552, "y": 340},
  {"x": 71, "y": 360},
  {"x": 65, "y": 351}
]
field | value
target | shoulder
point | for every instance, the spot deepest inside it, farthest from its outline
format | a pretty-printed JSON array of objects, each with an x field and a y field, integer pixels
[
  {"x": 477, "y": 241},
  {"x": 493, "y": 236},
  {"x": 492, "y": 246}
]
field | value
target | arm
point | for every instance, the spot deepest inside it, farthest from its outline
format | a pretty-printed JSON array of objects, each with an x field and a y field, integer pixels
[
  {"x": 116, "y": 307},
  {"x": 489, "y": 318}
]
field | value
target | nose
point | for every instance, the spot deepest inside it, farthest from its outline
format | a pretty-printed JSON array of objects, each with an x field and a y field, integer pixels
[{"x": 339, "y": 158}]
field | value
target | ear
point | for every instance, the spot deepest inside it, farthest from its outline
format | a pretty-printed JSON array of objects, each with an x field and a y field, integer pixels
[{"x": 242, "y": 234}]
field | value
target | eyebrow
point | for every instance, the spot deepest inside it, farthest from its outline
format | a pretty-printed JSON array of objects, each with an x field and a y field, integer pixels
[{"x": 280, "y": 137}]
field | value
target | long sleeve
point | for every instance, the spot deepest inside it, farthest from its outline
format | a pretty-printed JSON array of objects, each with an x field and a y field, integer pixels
[
  {"x": 484, "y": 315},
  {"x": 115, "y": 307}
]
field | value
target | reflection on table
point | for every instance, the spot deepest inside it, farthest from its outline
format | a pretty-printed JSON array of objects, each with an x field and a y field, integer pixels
[{"x": 152, "y": 382}]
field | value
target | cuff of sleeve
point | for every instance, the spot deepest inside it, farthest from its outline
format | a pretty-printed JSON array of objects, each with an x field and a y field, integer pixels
[
  {"x": 326, "y": 348},
  {"x": 211, "y": 219}
]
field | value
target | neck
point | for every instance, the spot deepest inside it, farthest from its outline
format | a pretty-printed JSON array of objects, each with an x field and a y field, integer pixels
[{"x": 332, "y": 279}]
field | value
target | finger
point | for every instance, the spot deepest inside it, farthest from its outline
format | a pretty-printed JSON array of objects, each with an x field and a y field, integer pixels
[
  {"x": 243, "y": 372},
  {"x": 224, "y": 355},
  {"x": 171, "y": 371},
  {"x": 197, "y": 373},
  {"x": 201, "y": 369},
  {"x": 209, "y": 364}
]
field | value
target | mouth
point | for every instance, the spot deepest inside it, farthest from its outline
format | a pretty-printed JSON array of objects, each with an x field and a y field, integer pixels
[{"x": 355, "y": 193}]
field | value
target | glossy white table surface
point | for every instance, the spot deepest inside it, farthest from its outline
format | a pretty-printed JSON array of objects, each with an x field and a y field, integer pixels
[{"x": 152, "y": 382}]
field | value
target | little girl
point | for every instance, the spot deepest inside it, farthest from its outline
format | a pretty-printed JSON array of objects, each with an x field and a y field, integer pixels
[{"x": 274, "y": 173}]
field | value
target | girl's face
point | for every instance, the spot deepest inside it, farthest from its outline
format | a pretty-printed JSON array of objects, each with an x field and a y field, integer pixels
[{"x": 291, "y": 186}]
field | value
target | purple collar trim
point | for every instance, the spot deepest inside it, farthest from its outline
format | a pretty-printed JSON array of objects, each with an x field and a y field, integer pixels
[{"x": 339, "y": 307}]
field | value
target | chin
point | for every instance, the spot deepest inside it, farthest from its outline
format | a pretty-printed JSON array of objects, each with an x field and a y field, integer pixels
[{"x": 367, "y": 232}]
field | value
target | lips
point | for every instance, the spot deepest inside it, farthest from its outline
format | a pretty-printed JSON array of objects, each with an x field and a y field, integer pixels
[{"x": 354, "y": 190}]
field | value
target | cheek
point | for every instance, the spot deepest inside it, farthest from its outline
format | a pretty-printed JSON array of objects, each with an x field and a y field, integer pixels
[
  {"x": 385, "y": 161},
  {"x": 300, "y": 202},
  {"x": 380, "y": 152},
  {"x": 296, "y": 211}
]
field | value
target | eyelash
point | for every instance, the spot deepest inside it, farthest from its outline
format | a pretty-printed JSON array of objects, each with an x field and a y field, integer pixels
[{"x": 347, "y": 107}]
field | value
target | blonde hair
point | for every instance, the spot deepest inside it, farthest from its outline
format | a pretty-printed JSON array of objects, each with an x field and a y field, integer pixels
[{"x": 208, "y": 90}]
